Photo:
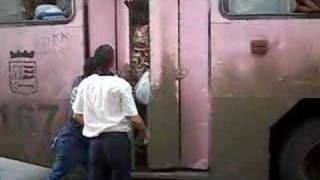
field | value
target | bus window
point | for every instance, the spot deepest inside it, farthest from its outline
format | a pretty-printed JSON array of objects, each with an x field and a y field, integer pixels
[
  {"x": 12, "y": 11},
  {"x": 307, "y": 6},
  {"x": 270, "y": 7}
]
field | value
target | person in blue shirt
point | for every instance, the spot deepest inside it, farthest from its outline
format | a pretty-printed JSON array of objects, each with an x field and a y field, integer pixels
[
  {"x": 48, "y": 10},
  {"x": 70, "y": 146}
]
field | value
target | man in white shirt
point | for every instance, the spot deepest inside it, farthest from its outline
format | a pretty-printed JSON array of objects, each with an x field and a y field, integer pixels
[{"x": 105, "y": 105}]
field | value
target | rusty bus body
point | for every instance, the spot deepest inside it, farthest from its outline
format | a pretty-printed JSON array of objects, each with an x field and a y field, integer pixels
[{"x": 226, "y": 89}]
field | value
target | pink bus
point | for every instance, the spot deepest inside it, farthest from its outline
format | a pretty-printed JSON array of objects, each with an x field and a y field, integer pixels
[{"x": 235, "y": 85}]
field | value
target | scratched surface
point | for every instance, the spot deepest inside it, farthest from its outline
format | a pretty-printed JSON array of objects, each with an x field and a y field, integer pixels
[
  {"x": 251, "y": 92},
  {"x": 37, "y": 66},
  {"x": 163, "y": 116},
  {"x": 195, "y": 110}
]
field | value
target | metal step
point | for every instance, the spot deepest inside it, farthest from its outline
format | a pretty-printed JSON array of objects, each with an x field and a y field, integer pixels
[{"x": 180, "y": 175}]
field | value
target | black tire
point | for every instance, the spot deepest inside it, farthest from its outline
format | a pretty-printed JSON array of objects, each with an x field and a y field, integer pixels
[{"x": 300, "y": 156}]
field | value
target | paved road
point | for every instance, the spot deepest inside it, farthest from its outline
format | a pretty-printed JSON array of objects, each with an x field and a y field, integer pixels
[{"x": 16, "y": 170}]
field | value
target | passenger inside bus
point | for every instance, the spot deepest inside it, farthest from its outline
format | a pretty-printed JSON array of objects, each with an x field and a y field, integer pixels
[
  {"x": 272, "y": 7},
  {"x": 48, "y": 10},
  {"x": 307, "y": 6},
  {"x": 138, "y": 69}
]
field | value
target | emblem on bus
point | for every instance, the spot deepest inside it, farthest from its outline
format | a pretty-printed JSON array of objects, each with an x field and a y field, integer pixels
[{"x": 23, "y": 72}]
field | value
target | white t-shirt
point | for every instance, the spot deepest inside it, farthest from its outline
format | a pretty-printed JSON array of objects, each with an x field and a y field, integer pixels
[{"x": 105, "y": 102}]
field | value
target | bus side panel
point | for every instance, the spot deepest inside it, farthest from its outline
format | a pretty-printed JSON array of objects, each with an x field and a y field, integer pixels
[
  {"x": 109, "y": 24},
  {"x": 240, "y": 136},
  {"x": 123, "y": 40},
  {"x": 38, "y": 64},
  {"x": 102, "y": 23},
  {"x": 194, "y": 43},
  {"x": 248, "y": 94},
  {"x": 252, "y": 92},
  {"x": 303, "y": 58},
  {"x": 163, "y": 112}
]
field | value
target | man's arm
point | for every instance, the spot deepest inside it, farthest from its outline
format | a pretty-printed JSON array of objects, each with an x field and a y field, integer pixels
[
  {"x": 130, "y": 111},
  {"x": 140, "y": 126},
  {"x": 78, "y": 118},
  {"x": 77, "y": 106}
]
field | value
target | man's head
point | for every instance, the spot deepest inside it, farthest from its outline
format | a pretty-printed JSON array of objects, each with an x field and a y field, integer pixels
[
  {"x": 89, "y": 67},
  {"x": 104, "y": 57}
]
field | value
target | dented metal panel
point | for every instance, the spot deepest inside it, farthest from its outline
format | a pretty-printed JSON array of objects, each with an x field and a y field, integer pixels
[
  {"x": 36, "y": 76},
  {"x": 163, "y": 116},
  {"x": 195, "y": 110}
]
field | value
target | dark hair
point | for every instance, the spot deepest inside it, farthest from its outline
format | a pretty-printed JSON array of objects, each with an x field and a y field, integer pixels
[
  {"x": 53, "y": 2},
  {"x": 89, "y": 67},
  {"x": 104, "y": 57}
]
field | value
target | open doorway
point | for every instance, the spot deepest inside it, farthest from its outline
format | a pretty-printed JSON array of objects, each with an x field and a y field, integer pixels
[
  {"x": 139, "y": 35},
  {"x": 139, "y": 64}
]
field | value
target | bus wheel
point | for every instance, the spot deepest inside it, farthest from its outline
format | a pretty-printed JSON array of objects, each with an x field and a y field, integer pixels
[{"x": 300, "y": 156}]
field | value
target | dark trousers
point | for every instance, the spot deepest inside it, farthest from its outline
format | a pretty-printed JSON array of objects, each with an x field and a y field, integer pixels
[
  {"x": 109, "y": 157},
  {"x": 71, "y": 149}
]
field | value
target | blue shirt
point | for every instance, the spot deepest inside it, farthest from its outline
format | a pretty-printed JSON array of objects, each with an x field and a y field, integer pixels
[{"x": 49, "y": 12}]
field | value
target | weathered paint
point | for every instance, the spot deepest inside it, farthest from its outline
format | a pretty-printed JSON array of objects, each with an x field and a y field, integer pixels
[
  {"x": 109, "y": 24},
  {"x": 252, "y": 92},
  {"x": 240, "y": 136},
  {"x": 194, "y": 53},
  {"x": 32, "y": 108},
  {"x": 163, "y": 116},
  {"x": 303, "y": 61},
  {"x": 249, "y": 93},
  {"x": 113, "y": 28},
  {"x": 102, "y": 20},
  {"x": 123, "y": 40}
]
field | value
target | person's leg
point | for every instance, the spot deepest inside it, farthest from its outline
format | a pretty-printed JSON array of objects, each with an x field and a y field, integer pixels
[
  {"x": 83, "y": 157},
  {"x": 98, "y": 165},
  {"x": 65, "y": 158},
  {"x": 118, "y": 153}
]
